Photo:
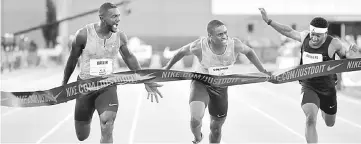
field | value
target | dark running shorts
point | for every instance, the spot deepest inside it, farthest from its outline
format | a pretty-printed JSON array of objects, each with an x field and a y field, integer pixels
[
  {"x": 102, "y": 100},
  {"x": 216, "y": 98},
  {"x": 327, "y": 103}
]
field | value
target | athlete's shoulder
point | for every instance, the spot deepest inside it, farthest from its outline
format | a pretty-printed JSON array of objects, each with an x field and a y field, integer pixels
[
  {"x": 240, "y": 46},
  {"x": 81, "y": 35},
  {"x": 303, "y": 35},
  {"x": 195, "y": 46},
  {"x": 84, "y": 30},
  {"x": 122, "y": 36},
  {"x": 235, "y": 40},
  {"x": 197, "y": 43},
  {"x": 88, "y": 26},
  {"x": 336, "y": 42}
]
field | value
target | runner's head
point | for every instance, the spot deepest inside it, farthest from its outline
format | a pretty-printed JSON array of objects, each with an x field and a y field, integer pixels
[
  {"x": 109, "y": 14},
  {"x": 217, "y": 32},
  {"x": 318, "y": 30}
]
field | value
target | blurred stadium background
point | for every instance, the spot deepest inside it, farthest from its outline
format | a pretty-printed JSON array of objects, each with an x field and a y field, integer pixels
[{"x": 38, "y": 33}]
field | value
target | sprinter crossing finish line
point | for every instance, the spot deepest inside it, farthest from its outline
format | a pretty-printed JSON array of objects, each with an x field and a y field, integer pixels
[{"x": 81, "y": 88}]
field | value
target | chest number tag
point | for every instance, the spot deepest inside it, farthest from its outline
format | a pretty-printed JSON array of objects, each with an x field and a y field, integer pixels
[
  {"x": 219, "y": 71},
  {"x": 309, "y": 58},
  {"x": 99, "y": 67}
]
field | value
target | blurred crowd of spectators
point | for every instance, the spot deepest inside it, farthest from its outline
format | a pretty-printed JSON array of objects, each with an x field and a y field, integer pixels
[
  {"x": 17, "y": 50},
  {"x": 22, "y": 52}
]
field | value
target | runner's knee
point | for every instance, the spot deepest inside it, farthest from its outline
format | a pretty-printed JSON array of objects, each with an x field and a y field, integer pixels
[
  {"x": 330, "y": 123},
  {"x": 107, "y": 123},
  {"x": 197, "y": 116},
  {"x": 107, "y": 120},
  {"x": 82, "y": 129},
  {"x": 216, "y": 127},
  {"x": 82, "y": 137},
  {"x": 329, "y": 120},
  {"x": 310, "y": 111},
  {"x": 107, "y": 128},
  {"x": 196, "y": 121},
  {"x": 197, "y": 111},
  {"x": 311, "y": 120}
]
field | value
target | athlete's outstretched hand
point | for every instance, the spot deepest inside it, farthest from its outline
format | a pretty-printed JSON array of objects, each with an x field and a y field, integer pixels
[
  {"x": 152, "y": 89},
  {"x": 353, "y": 52},
  {"x": 264, "y": 14},
  {"x": 271, "y": 78},
  {"x": 267, "y": 72}
]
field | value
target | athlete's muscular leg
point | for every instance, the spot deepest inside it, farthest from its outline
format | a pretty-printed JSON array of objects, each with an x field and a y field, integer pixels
[
  {"x": 83, "y": 114},
  {"x": 310, "y": 111},
  {"x": 107, "y": 119},
  {"x": 216, "y": 129},
  {"x": 310, "y": 106},
  {"x": 218, "y": 108},
  {"x": 329, "y": 119},
  {"x": 328, "y": 106},
  {"x": 198, "y": 102},
  {"x": 82, "y": 129},
  {"x": 197, "y": 109},
  {"x": 84, "y": 110},
  {"x": 107, "y": 107}
]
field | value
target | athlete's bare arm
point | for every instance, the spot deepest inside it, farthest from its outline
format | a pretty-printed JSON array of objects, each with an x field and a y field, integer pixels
[
  {"x": 189, "y": 49},
  {"x": 281, "y": 28},
  {"x": 133, "y": 64},
  {"x": 241, "y": 48},
  {"x": 343, "y": 51},
  {"x": 128, "y": 57},
  {"x": 77, "y": 48}
]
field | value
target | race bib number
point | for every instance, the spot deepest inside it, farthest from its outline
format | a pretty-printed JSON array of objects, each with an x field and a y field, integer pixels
[
  {"x": 309, "y": 58},
  {"x": 219, "y": 71},
  {"x": 99, "y": 67}
]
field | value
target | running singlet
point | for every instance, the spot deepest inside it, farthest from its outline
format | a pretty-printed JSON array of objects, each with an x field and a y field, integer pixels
[
  {"x": 312, "y": 55},
  {"x": 98, "y": 58},
  {"x": 214, "y": 64}
]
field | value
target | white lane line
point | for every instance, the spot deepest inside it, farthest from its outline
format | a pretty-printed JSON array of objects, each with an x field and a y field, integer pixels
[
  {"x": 10, "y": 112},
  {"x": 345, "y": 98},
  {"x": 272, "y": 118},
  {"x": 275, "y": 120},
  {"x": 270, "y": 92},
  {"x": 136, "y": 117},
  {"x": 56, "y": 127},
  {"x": 348, "y": 121}
]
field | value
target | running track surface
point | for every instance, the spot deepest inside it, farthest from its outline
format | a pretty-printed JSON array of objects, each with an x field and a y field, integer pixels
[{"x": 258, "y": 113}]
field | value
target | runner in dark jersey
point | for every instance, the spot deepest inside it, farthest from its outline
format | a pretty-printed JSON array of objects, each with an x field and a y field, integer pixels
[{"x": 317, "y": 92}]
